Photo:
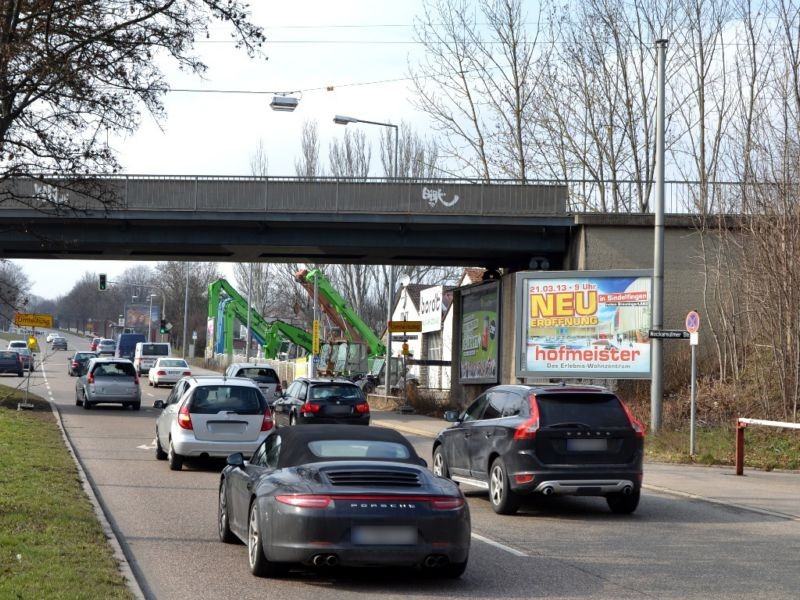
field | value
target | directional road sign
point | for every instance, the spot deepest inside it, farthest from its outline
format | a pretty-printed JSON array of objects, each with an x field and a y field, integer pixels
[
  {"x": 405, "y": 326},
  {"x": 33, "y": 320}
]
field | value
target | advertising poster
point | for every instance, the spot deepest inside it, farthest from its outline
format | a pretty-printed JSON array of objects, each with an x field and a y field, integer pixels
[
  {"x": 479, "y": 333},
  {"x": 430, "y": 308},
  {"x": 138, "y": 318},
  {"x": 584, "y": 324}
]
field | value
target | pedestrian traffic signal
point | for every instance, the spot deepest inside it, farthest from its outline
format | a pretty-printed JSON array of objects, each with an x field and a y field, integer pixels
[
  {"x": 101, "y": 284},
  {"x": 163, "y": 328}
]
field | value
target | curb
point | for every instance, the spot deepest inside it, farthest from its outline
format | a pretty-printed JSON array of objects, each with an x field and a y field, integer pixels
[{"x": 109, "y": 531}]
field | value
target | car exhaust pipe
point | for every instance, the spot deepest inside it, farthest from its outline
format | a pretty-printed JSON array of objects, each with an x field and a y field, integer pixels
[
  {"x": 627, "y": 490},
  {"x": 547, "y": 490},
  {"x": 332, "y": 561},
  {"x": 432, "y": 561},
  {"x": 319, "y": 560}
]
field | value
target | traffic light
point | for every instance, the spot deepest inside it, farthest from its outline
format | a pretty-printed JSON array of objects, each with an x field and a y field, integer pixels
[
  {"x": 163, "y": 328},
  {"x": 101, "y": 284}
]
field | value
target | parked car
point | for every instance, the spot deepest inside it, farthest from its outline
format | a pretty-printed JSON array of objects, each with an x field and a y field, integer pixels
[
  {"x": 78, "y": 362},
  {"x": 263, "y": 374},
  {"x": 322, "y": 401},
  {"x": 59, "y": 343},
  {"x": 211, "y": 416},
  {"x": 364, "y": 491},
  {"x": 167, "y": 371},
  {"x": 518, "y": 440},
  {"x": 108, "y": 381},
  {"x": 93, "y": 344},
  {"x": 27, "y": 358},
  {"x": 106, "y": 346},
  {"x": 145, "y": 355},
  {"x": 10, "y": 362}
]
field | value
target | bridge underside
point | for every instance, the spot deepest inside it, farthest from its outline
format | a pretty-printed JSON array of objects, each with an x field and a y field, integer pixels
[{"x": 509, "y": 242}]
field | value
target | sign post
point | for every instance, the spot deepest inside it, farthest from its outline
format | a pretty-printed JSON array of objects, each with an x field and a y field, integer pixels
[{"x": 692, "y": 326}]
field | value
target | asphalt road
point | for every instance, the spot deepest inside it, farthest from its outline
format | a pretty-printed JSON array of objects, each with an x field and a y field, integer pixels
[{"x": 558, "y": 548}]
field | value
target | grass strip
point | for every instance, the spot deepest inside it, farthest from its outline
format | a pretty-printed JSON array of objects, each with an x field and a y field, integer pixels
[{"x": 51, "y": 543}]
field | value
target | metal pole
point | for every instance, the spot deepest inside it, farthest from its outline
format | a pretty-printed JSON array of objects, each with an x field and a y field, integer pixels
[
  {"x": 693, "y": 402},
  {"x": 249, "y": 295},
  {"x": 389, "y": 333},
  {"x": 185, "y": 310},
  {"x": 657, "y": 384},
  {"x": 315, "y": 356},
  {"x": 150, "y": 321}
]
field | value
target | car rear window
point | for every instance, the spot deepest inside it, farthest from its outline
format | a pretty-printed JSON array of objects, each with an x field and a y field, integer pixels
[
  {"x": 594, "y": 410},
  {"x": 260, "y": 375},
  {"x": 7, "y": 355},
  {"x": 173, "y": 363},
  {"x": 155, "y": 350},
  {"x": 358, "y": 449},
  {"x": 334, "y": 391},
  {"x": 211, "y": 399},
  {"x": 114, "y": 370}
]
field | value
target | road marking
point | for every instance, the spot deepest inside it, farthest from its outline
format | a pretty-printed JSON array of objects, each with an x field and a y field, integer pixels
[
  {"x": 152, "y": 446},
  {"x": 499, "y": 545}
]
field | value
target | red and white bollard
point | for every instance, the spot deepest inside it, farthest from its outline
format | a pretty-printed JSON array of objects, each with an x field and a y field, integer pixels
[{"x": 740, "y": 427}]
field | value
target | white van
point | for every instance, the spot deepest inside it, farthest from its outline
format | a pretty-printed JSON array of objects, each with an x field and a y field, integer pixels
[{"x": 146, "y": 353}]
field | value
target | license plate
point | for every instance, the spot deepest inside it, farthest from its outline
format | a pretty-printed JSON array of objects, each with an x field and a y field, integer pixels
[
  {"x": 384, "y": 536},
  {"x": 226, "y": 427},
  {"x": 587, "y": 445}
]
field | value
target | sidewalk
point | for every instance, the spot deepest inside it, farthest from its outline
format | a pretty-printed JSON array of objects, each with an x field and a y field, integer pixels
[{"x": 771, "y": 493}]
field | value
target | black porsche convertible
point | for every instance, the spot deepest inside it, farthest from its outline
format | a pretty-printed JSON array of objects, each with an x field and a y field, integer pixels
[{"x": 328, "y": 495}]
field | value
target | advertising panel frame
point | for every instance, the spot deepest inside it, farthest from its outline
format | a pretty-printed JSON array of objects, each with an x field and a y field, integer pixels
[
  {"x": 633, "y": 347},
  {"x": 491, "y": 287}
]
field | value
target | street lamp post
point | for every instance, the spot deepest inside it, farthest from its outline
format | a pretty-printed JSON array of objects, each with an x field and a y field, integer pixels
[{"x": 343, "y": 120}]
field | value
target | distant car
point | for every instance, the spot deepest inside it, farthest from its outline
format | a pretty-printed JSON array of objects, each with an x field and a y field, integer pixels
[
  {"x": 350, "y": 496},
  {"x": 263, "y": 374},
  {"x": 78, "y": 362},
  {"x": 211, "y": 416},
  {"x": 59, "y": 343},
  {"x": 93, "y": 344},
  {"x": 106, "y": 346},
  {"x": 50, "y": 336},
  {"x": 108, "y": 381},
  {"x": 167, "y": 371},
  {"x": 27, "y": 358},
  {"x": 10, "y": 362},
  {"x": 518, "y": 440},
  {"x": 322, "y": 401},
  {"x": 15, "y": 344}
]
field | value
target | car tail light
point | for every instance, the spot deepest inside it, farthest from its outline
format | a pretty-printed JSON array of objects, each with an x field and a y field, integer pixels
[
  {"x": 184, "y": 418},
  {"x": 636, "y": 424},
  {"x": 527, "y": 431},
  {"x": 308, "y": 407},
  {"x": 362, "y": 408},
  {"x": 161, "y": 373},
  {"x": 523, "y": 478},
  {"x": 187, "y": 373},
  {"x": 90, "y": 378},
  {"x": 278, "y": 390},
  {"x": 267, "y": 423},
  {"x": 305, "y": 500},
  {"x": 74, "y": 364},
  {"x": 447, "y": 503},
  {"x": 136, "y": 380}
]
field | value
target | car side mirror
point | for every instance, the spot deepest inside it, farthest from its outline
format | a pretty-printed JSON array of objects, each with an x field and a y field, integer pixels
[
  {"x": 451, "y": 416},
  {"x": 159, "y": 404},
  {"x": 236, "y": 460}
]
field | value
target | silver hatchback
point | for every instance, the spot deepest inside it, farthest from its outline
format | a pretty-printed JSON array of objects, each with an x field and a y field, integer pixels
[
  {"x": 211, "y": 416},
  {"x": 263, "y": 374},
  {"x": 108, "y": 380}
]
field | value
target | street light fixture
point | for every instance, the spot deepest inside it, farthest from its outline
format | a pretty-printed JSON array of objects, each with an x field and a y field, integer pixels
[
  {"x": 284, "y": 103},
  {"x": 344, "y": 120}
]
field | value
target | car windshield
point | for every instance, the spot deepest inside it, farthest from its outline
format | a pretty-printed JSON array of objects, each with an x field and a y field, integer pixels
[
  {"x": 260, "y": 375},
  {"x": 358, "y": 449},
  {"x": 114, "y": 370},
  {"x": 173, "y": 363},
  {"x": 326, "y": 391},
  {"x": 211, "y": 399}
]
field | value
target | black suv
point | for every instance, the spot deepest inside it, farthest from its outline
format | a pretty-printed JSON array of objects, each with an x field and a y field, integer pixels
[
  {"x": 322, "y": 401},
  {"x": 516, "y": 440}
]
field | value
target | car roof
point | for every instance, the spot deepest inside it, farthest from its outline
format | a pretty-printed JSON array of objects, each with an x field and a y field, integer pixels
[
  {"x": 316, "y": 380},
  {"x": 554, "y": 388},
  {"x": 294, "y": 441},
  {"x": 111, "y": 359},
  {"x": 253, "y": 365},
  {"x": 203, "y": 380}
]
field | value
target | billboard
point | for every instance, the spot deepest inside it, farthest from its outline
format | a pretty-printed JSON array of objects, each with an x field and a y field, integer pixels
[
  {"x": 480, "y": 327},
  {"x": 583, "y": 324},
  {"x": 139, "y": 317},
  {"x": 430, "y": 308}
]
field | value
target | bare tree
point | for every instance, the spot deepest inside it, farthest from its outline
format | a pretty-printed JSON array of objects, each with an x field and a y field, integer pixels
[
  {"x": 14, "y": 290},
  {"x": 259, "y": 161},
  {"x": 308, "y": 164},
  {"x": 418, "y": 157},
  {"x": 73, "y": 72}
]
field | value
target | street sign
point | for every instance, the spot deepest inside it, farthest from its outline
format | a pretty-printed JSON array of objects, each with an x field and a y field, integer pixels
[
  {"x": 668, "y": 334},
  {"x": 404, "y": 338},
  {"x": 692, "y": 321},
  {"x": 33, "y": 320},
  {"x": 405, "y": 326}
]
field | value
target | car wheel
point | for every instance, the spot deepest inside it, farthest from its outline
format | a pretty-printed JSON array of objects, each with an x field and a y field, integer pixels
[
  {"x": 503, "y": 500},
  {"x": 292, "y": 419},
  {"x": 160, "y": 454},
  {"x": 86, "y": 404},
  {"x": 77, "y": 400},
  {"x": 175, "y": 459},
  {"x": 259, "y": 565},
  {"x": 440, "y": 463},
  {"x": 223, "y": 525},
  {"x": 454, "y": 570},
  {"x": 622, "y": 504},
  {"x": 136, "y": 405},
  {"x": 150, "y": 382}
]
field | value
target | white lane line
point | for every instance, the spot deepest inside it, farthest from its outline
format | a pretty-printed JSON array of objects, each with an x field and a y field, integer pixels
[{"x": 508, "y": 549}]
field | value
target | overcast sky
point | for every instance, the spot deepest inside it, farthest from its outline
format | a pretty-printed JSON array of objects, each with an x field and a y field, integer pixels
[{"x": 311, "y": 46}]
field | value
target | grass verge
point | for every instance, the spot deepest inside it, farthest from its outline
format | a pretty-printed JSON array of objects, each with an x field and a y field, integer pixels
[
  {"x": 766, "y": 448},
  {"x": 51, "y": 544}
]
